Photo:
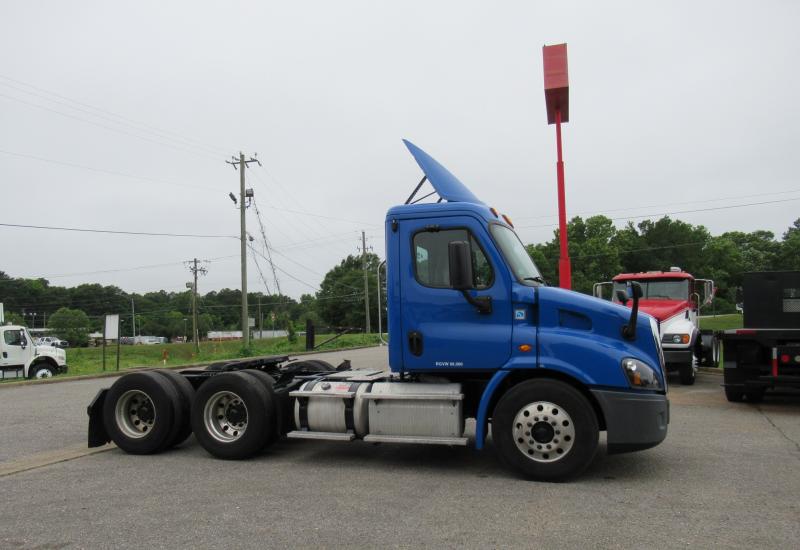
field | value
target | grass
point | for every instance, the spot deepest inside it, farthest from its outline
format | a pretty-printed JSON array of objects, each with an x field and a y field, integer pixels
[
  {"x": 721, "y": 322},
  {"x": 90, "y": 360}
]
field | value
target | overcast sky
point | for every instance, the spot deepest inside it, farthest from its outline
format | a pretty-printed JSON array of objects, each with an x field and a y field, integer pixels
[{"x": 674, "y": 106}]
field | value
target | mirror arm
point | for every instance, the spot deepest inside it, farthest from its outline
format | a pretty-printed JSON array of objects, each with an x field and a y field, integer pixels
[
  {"x": 629, "y": 330},
  {"x": 482, "y": 303}
]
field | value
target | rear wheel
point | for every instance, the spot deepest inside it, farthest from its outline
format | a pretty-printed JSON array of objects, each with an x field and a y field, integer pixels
[
  {"x": 269, "y": 382},
  {"x": 233, "y": 415},
  {"x": 182, "y": 427},
  {"x": 687, "y": 374},
  {"x": 545, "y": 430},
  {"x": 734, "y": 395},
  {"x": 755, "y": 395},
  {"x": 138, "y": 412}
]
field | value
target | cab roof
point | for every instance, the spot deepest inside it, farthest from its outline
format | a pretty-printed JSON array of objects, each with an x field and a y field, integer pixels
[{"x": 653, "y": 275}]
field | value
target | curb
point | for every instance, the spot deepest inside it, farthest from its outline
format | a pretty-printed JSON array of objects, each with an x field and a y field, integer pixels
[{"x": 110, "y": 374}]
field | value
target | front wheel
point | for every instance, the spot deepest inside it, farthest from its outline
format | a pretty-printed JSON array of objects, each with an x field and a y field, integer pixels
[
  {"x": 545, "y": 430},
  {"x": 687, "y": 374},
  {"x": 42, "y": 370}
]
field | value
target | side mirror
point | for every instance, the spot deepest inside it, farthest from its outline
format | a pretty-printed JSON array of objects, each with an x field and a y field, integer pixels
[
  {"x": 23, "y": 342},
  {"x": 460, "y": 265},
  {"x": 622, "y": 296}
]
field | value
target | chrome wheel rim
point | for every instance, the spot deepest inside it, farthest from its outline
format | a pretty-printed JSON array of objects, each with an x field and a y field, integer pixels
[
  {"x": 135, "y": 414},
  {"x": 44, "y": 373},
  {"x": 543, "y": 431},
  {"x": 225, "y": 416}
]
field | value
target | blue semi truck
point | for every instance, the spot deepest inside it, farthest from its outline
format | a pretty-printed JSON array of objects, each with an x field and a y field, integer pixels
[{"x": 474, "y": 333}]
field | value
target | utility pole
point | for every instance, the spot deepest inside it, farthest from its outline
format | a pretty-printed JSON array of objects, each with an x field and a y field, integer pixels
[
  {"x": 260, "y": 319},
  {"x": 193, "y": 285},
  {"x": 366, "y": 278},
  {"x": 133, "y": 318},
  {"x": 241, "y": 164}
]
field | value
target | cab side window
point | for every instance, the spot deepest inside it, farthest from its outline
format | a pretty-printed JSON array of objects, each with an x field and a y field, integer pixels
[
  {"x": 13, "y": 337},
  {"x": 431, "y": 258}
]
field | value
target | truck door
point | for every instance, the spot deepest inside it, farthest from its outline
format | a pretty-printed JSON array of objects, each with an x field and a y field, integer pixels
[
  {"x": 14, "y": 347},
  {"x": 441, "y": 330}
]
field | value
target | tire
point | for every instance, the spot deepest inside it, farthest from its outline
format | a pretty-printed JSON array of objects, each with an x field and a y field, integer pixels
[
  {"x": 559, "y": 404},
  {"x": 41, "y": 370},
  {"x": 269, "y": 382},
  {"x": 233, "y": 415},
  {"x": 755, "y": 395},
  {"x": 139, "y": 413},
  {"x": 309, "y": 366},
  {"x": 182, "y": 426},
  {"x": 710, "y": 354},
  {"x": 323, "y": 366},
  {"x": 687, "y": 374},
  {"x": 734, "y": 395}
]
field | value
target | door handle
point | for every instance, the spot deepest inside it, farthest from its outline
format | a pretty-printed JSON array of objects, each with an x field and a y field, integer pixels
[{"x": 415, "y": 343}]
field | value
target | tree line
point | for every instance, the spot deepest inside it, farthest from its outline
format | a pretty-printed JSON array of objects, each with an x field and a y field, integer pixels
[{"x": 598, "y": 250}]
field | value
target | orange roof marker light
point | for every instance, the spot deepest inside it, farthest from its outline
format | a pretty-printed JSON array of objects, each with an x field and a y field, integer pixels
[{"x": 508, "y": 220}]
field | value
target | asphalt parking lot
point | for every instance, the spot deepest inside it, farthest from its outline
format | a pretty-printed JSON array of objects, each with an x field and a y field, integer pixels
[{"x": 727, "y": 476}]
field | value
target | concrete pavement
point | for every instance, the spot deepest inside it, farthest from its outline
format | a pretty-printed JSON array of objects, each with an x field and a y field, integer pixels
[{"x": 727, "y": 476}]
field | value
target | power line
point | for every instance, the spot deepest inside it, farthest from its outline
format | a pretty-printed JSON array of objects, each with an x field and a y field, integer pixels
[
  {"x": 140, "y": 126},
  {"x": 104, "y": 171},
  {"x": 106, "y": 127},
  {"x": 679, "y": 212},
  {"x": 717, "y": 199},
  {"x": 114, "y": 232}
]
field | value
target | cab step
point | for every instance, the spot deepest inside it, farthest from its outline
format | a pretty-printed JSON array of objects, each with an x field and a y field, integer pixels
[
  {"x": 418, "y": 439},
  {"x": 326, "y": 436}
]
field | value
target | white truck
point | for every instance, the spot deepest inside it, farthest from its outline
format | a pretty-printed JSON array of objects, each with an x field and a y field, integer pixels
[
  {"x": 674, "y": 298},
  {"x": 21, "y": 358}
]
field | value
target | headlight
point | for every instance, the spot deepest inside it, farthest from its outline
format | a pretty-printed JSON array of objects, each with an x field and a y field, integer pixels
[
  {"x": 640, "y": 375},
  {"x": 676, "y": 339}
]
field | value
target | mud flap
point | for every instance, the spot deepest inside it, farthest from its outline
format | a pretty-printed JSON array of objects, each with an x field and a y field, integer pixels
[{"x": 97, "y": 429}]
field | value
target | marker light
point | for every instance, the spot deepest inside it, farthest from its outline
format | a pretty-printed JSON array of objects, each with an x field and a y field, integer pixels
[
  {"x": 525, "y": 347},
  {"x": 508, "y": 220},
  {"x": 494, "y": 211}
]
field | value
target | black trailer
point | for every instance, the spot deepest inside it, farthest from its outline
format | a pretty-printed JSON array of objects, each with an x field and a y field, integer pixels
[{"x": 765, "y": 354}]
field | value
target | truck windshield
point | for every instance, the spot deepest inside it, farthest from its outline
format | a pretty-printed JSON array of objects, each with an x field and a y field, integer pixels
[
  {"x": 516, "y": 256},
  {"x": 654, "y": 289}
]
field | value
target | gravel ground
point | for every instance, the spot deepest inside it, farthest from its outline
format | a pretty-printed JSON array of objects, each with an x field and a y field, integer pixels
[{"x": 727, "y": 476}]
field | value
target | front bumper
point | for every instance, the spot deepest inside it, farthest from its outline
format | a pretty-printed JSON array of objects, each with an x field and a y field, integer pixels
[
  {"x": 634, "y": 421},
  {"x": 62, "y": 369},
  {"x": 675, "y": 357}
]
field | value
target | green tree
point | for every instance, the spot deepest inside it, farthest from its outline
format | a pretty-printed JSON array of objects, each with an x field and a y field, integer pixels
[
  {"x": 340, "y": 301},
  {"x": 71, "y": 325}
]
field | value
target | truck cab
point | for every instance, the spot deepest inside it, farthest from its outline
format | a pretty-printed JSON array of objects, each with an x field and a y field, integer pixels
[
  {"x": 474, "y": 333},
  {"x": 674, "y": 298},
  {"x": 20, "y": 357}
]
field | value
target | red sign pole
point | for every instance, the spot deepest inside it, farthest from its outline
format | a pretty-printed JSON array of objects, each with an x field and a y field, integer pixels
[
  {"x": 564, "y": 264},
  {"x": 556, "y": 95}
]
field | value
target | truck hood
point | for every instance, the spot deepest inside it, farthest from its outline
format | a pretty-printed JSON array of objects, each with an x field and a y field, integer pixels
[
  {"x": 662, "y": 309},
  {"x": 443, "y": 181},
  {"x": 50, "y": 351}
]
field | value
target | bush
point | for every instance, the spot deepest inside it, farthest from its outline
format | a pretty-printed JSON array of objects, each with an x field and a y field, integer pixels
[{"x": 71, "y": 325}]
